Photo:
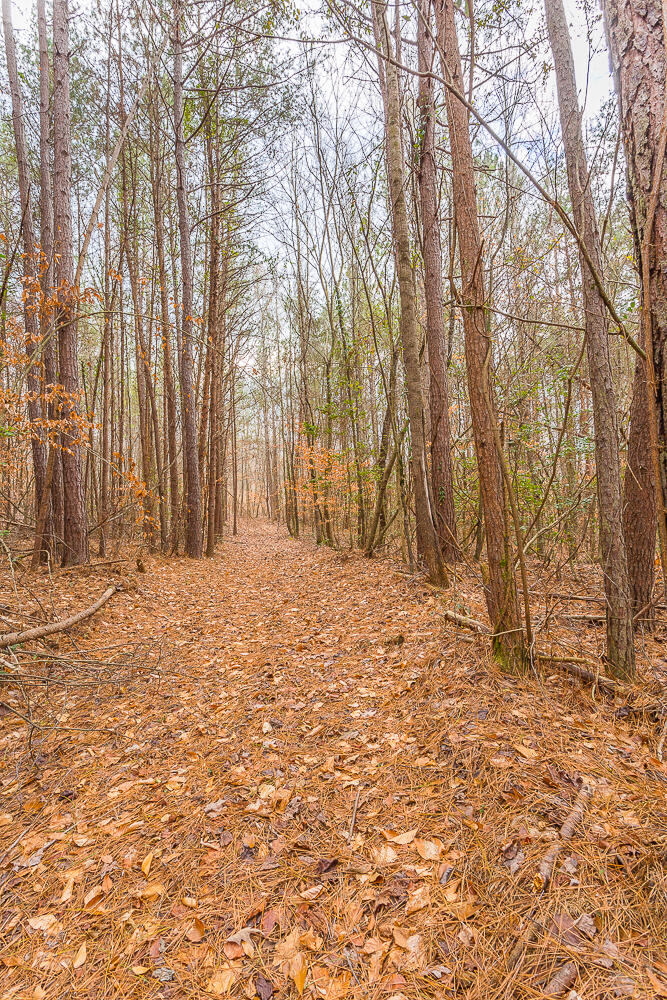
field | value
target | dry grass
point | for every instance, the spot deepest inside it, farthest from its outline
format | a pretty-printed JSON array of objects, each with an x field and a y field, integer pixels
[{"x": 295, "y": 683}]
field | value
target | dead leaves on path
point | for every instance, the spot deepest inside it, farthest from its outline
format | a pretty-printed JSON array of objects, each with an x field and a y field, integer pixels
[{"x": 305, "y": 808}]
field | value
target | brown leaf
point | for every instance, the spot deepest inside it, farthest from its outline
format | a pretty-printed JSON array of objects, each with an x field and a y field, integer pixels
[
  {"x": 80, "y": 957},
  {"x": 92, "y": 897},
  {"x": 400, "y": 838},
  {"x": 195, "y": 931},
  {"x": 263, "y": 987},
  {"x": 47, "y": 923},
  {"x": 222, "y": 981},
  {"x": 418, "y": 900},
  {"x": 298, "y": 970},
  {"x": 429, "y": 850}
]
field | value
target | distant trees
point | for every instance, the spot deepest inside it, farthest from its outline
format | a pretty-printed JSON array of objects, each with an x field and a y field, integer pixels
[{"x": 352, "y": 303}]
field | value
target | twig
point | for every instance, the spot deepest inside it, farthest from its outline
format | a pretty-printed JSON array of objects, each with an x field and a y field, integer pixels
[
  {"x": 573, "y": 819},
  {"x": 354, "y": 815},
  {"x": 11, "y": 638},
  {"x": 466, "y": 622}
]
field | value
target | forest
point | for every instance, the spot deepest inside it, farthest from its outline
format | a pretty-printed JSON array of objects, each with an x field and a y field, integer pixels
[{"x": 333, "y": 499}]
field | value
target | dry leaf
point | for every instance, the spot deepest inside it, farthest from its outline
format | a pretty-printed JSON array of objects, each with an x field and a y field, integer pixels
[
  {"x": 400, "y": 838},
  {"x": 298, "y": 970},
  {"x": 146, "y": 864},
  {"x": 311, "y": 940},
  {"x": 195, "y": 931},
  {"x": 152, "y": 891},
  {"x": 384, "y": 855},
  {"x": 222, "y": 981},
  {"x": 92, "y": 897},
  {"x": 418, "y": 900},
  {"x": 429, "y": 850},
  {"x": 241, "y": 940},
  {"x": 45, "y": 922},
  {"x": 80, "y": 957},
  {"x": 312, "y": 893}
]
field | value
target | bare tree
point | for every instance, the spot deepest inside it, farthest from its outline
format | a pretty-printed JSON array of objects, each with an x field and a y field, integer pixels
[
  {"x": 441, "y": 459},
  {"x": 501, "y": 593},
  {"x": 620, "y": 642},
  {"x": 194, "y": 539},
  {"x": 426, "y": 536},
  {"x": 75, "y": 528}
]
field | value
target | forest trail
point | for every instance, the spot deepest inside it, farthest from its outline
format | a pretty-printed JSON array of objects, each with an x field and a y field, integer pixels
[{"x": 324, "y": 790}]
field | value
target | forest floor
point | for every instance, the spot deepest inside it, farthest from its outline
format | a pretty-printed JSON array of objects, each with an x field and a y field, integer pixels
[{"x": 304, "y": 780}]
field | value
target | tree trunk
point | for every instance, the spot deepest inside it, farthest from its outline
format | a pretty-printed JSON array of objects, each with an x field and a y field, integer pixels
[
  {"x": 620, "y": 642},
  {"x": 194, "y": 531},
  {"x": 500, "y": 585},
  {"x": 29, "y": 298},
  {"x": 53, "y": 521},
  {"x": 636, "y": 39},
  {"x": 441, "y": 459},
  {"x": 426, "y": 535},
  {"x": 75, "y": 528}
]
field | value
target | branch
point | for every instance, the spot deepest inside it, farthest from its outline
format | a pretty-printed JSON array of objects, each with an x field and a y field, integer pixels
[{"x": 11, "y": 638}]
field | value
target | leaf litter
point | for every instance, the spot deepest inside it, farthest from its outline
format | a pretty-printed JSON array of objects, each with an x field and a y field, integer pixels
[{"x": 295, "y": 804}]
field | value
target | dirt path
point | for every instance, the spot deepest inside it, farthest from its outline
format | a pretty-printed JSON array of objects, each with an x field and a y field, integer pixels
[{"x": 204, "y": 847}]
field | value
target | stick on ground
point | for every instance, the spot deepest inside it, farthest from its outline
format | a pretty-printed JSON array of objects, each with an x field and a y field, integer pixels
[{"x": 10, "y": 638}]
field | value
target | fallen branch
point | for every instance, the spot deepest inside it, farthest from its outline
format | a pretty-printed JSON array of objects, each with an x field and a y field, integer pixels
[
  {"x": 572, "y": 821},
  {"x": 466, "y": 622},
  {"x": 11, "y": 638},
  {"x": 585, "y": 670},
  {"x": 545, "y": 872}
]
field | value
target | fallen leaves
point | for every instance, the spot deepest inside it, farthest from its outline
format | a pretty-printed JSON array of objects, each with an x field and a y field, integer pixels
[
  {"x": 222, "y": 981},
  {"x": 46, "y": 922},
  {"x": 195, "y": 931},
  {"x": 429, "y": 850},
  {"x": 80, "y": 957},
  {"x": 208, "y": 826}
]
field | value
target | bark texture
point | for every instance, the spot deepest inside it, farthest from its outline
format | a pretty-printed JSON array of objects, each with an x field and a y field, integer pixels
[
  {"x": 635, "y": 35},
  {"x": 620, "y": 642},
  {"x": 194, "y": 538},
  {"x": 500, "y": 585},
  {"x": 426, "y": 536},
  {"x": 441, "y": 458},
  {"x": 75, "y": 527}
]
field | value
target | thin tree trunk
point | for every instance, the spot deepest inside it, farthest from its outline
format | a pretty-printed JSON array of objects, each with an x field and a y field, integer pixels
[
  {"x": 500, "y": 586},
  {"x": 32, "y": 333},
  {"x": 193, "y": 533},
  {"x": 620, "y": 641},
  {"x": 636, "y": 39},
  {"x": 441, "y": 459},
  {"x": 75, "y": 527},
  {"x": 426, "y": 536},
  {"x": 53, "y": 522}
]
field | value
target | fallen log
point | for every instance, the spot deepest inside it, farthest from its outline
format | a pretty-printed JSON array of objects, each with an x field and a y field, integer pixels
[{"x": 13, "y": 638}]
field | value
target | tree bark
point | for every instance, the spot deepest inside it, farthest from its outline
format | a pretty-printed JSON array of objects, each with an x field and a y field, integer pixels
[
  {"x": 620, "y": 641},
  {"x": 636, "y": 39},
  {"x": 500, "y": 585},
  {"x": 426, "y": 535},
  {"x": 32, "y": 333},
  {"x": 75, "y": 528},
  {"x": 441, "y": 458},
  {"x": 194, "y": 531}
]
